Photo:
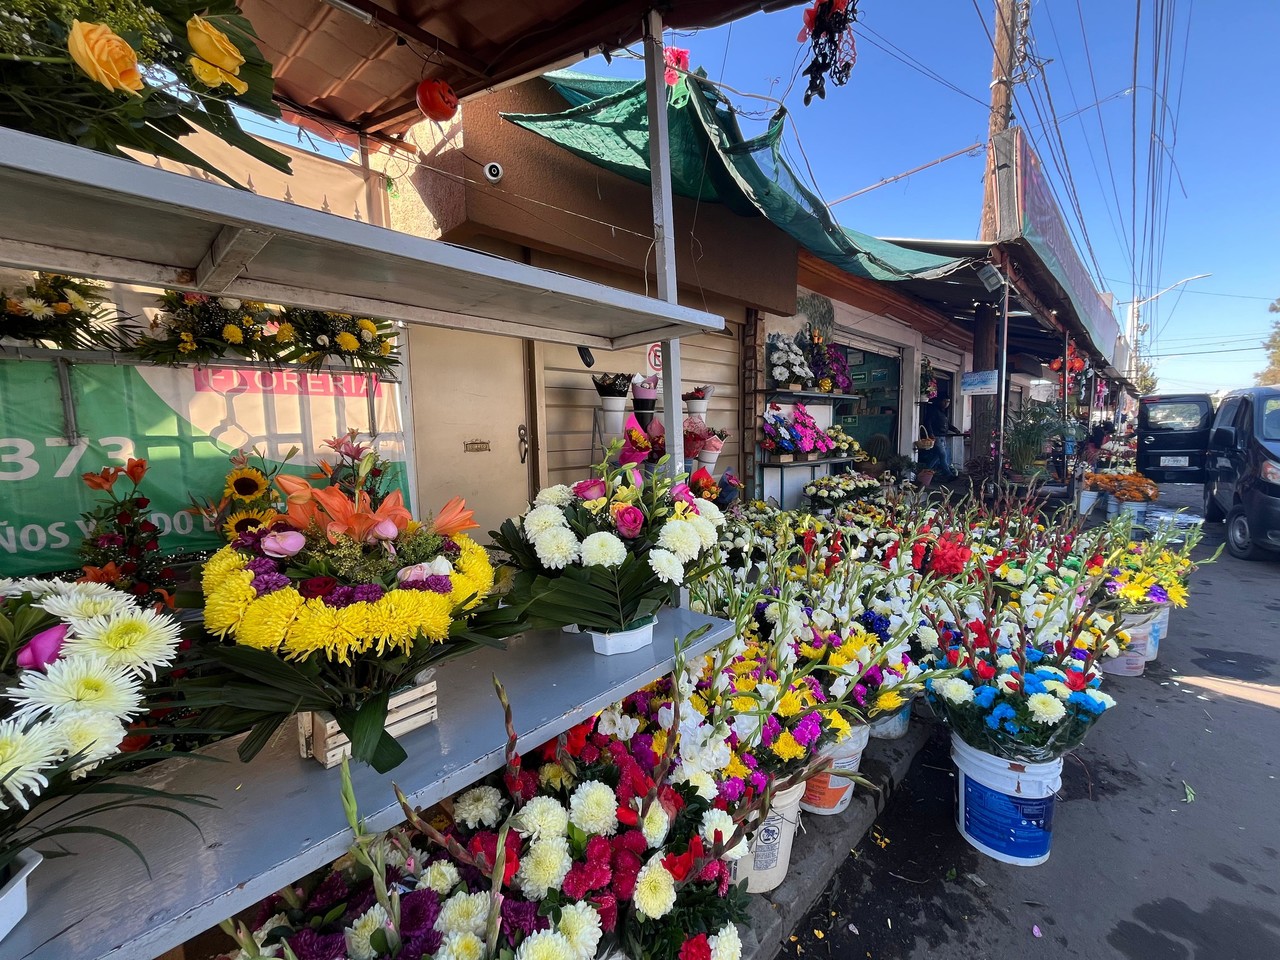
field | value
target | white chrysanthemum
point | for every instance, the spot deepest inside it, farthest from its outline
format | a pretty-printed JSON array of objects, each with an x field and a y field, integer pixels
[
  {"x": 79, "y": 683},
  {"x": 655, "y": 892},
  {"x": 719, "y": 821},
  {"x": 1057, "y": 688},
  {"x": 37, "y": 308},
  {"x": 1008, "y": 683},
  {"x": 440, "y": 876},
  {"x": 1006, "y": 661},
  {"x": 464, "y": 913},
  {"x": 544, "y": 867},
  {"x": 77, "y": 605},
  {"x": 706, "y": 531},
  {"x": 594, "y": 808},
  {"x": 77, "y": 301},
  {"x": 1016, "y": 577},
  {"x": 1045, "y": 708},
  {"x": 954, "y": 689},
  {"x": 603, "y": 549},
  {"x": 461, "y": 946},
  {"x": 681, "y": 538},
  {"x": 479, "y": 807},
  {"x": 544, "y": 945},
  {"x": 711, "y": 512},
  {"x": 655, "y": 825},
  {"x": 580, "y": 926},
  {"x": 557, "y": 548},
  {"x": 727, "y": 944},
  {"x": 139, "y": 639},
  {"x": 544, "y": 817},
  {"x": 37, "y": 586},
  {"x": 667, "y": 566},
  {"x": 90, "y": 736},
  {"x": 361, "y": 932},
  {"x": 556, "y": 496},
  {"x": 24, "y": 755},
  {"x": 541, "y": 519}
]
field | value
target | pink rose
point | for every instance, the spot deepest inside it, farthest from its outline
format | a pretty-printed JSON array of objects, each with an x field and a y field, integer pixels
[
  {"x": 682, "y": 492},
  {"x": 283, "y": 543},
  {"x": 42, "y": 649},
  {"x": 592, "y": 489},
  {"x": 629, "y": 521}
]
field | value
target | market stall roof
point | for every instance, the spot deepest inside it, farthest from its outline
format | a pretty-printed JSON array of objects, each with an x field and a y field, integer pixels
[
  {"x": 72, "y": 210},
  {"x": 359, "y": 62},
  {"x": 712, "y": 160}
]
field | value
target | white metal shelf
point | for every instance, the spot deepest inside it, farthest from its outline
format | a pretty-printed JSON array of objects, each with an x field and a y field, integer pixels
[
  {"x": 72, "y": 210},
  {"x": 280, "y": 817}
]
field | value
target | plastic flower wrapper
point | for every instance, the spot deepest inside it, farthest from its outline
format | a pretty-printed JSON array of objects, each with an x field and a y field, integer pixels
[
  {"x": 612, "y": 384},
  {"x": 611, "y": 550},
  {"x": 696, "y": 436},
  {"x": 644, "y": 391}
]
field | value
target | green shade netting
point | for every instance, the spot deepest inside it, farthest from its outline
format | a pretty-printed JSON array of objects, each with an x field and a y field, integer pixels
[{"x": 608, "y": 125}]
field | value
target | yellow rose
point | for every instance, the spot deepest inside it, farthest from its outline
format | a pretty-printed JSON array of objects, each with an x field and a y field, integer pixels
[
  {"x": 104, "y": 56},
  {"x": 217, "y": 60}
]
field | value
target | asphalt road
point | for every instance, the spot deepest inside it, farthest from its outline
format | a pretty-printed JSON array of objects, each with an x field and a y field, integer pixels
[{"x": 1166, "y": 838}]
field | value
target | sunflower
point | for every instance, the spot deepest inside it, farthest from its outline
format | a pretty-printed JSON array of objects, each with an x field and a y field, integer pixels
[
  {"x": 242, "y": 521},
  {"x": 246, "y": 484}
]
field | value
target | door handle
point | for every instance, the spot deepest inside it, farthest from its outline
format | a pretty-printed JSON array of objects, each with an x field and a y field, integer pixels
[
  {"x": 522, "y": 436},
  {"x": 1148, "y": 439}
]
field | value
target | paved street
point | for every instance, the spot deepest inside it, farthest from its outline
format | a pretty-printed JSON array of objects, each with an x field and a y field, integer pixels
[{"x": 1137, "y": 871}]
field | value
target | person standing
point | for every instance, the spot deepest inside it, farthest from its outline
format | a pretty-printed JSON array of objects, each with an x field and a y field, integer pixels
[{"x": 935, "y": 418}]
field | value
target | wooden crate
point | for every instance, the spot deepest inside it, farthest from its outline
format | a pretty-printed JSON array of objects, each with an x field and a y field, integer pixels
[{"x": 320, "y": 737}]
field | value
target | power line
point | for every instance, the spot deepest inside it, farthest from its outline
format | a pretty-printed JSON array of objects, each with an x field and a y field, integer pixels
[{"x": 885, "y": 44}]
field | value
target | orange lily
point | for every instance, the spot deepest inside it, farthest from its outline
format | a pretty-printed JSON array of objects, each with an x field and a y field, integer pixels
[
  {"x": 357, "y": 520},
  {"x": 108, "y": 574},
  {"x": 454, "y": 517},
  {"x": 136, "y": 470},
  {"x": 104, "y": 480},
  {"x": 303, "y": 510}
]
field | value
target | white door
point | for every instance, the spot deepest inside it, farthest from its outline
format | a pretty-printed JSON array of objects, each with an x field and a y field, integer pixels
[{"x": 471, "y": 433}]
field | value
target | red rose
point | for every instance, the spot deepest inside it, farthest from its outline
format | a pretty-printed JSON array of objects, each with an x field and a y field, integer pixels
[
  {"x": 141, "y": 503},
  {"x": 146, "y": 526},
  {"x": 314, "y": 587},
  {"x": 123, "y": 518},
  {"x": 696, "y": 948}
]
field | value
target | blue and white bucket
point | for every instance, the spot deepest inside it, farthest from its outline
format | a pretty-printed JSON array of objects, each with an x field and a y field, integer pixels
[
  {"x": 1159, "y": 630},
  {"x": 1005, "y": 808},
  {"x": 892, "y": 727}
]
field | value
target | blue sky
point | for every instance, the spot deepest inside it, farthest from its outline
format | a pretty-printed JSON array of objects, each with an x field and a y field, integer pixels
[{"x": 890, "y": 118}]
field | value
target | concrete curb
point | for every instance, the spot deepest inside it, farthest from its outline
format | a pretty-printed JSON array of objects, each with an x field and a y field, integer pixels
[{"x": 825, "y": 842}]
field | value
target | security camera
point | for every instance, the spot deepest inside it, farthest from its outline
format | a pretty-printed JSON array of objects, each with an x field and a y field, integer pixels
[{"x": 493, "y": 172}]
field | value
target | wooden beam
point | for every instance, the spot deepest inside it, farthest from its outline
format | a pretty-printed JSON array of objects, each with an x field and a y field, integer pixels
[
  {"x": 232, "y": 250},
  {"x": 415, "y": 32}
]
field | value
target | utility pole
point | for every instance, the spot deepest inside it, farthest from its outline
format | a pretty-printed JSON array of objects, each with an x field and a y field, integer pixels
[{"x": 987, "y": 317}]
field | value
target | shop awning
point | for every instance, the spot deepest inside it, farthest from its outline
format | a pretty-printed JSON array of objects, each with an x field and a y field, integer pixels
[
  {"x": 71, "y": 210},
  {"x": 712, "y": 160}
]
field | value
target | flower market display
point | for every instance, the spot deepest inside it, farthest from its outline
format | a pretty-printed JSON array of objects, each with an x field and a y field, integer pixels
[
  {"x": 135, "y": 74},
  {"x": 334, "y": 605},
  {"x": 843, "y": 445},
  {"x": 610, "y": 551},
  {"x": 249, "y": 499},
  {"x": 830, "y": 366},
  {"x": 787, "y": 363},
  {"x": 1125, "y": 487},
  {"x": 834, "y": 490},
  {"x": 61, "y": 312}
]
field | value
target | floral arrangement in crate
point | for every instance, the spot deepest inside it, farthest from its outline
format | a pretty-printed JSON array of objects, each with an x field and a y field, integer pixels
[
  {"x": 76, "y": 659},
  {"x": 310, "y": 337},
  {"x": 121, "y": 547},
  {"x": 830, "y": 365},
  {"x": 780, "y": 436},
  {"x": 335, "y": 605},
  {"x": 1126, "y": 487},
  {"x": 928, "y": 380},
  {"x": 843, "y": 445},
  {"x": 249, "y": 499},
  {"x": 610, "y": 551},
  {"x": 63, "y": 312},
  {"x": 836, "y": 489},
  {"x": 787, "y": 362},
  {"x": 810, "y": 438},
  {"x": 134, "y": 74},
  {"x": 574, "y": 849}
]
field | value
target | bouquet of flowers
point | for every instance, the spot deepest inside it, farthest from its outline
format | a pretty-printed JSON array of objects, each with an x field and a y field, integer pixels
[
  {"x": 787, "y": 362},
  {"x": 63, "y": 312},
  {"x": 248, "y": 500},
  {"x": 608, "y": 552},
  {"x": 696, "y": 436},
  {"x": 1157, "y": 571},
  {"x": 703, "y": 392},
  {"x": 810, "y": 438},
  {"x": 779, "y": 432},
  {"x": 359, "y": 468},
  {"x": 134, "y": 74},
  {"x": 335, "y": 605},
  {"x": 703, "y": 485},
  {"x": 928, "y": 380},
  {"x": 196, "y": 328},
  {"x": 839, "y": 488},
  {"x": 75, "y": 659},
  {"x": 830, "y": 365},
  {"x": 612, "y": 384},
  {"x": 644, "y": 397},
  {"x": 122, "y": 547},
  {"x": 843, "y": 445},
  {"x": 310, "y": 337}
]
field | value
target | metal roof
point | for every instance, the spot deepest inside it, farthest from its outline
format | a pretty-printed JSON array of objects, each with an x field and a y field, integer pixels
[{"x": 72, "y": 210}]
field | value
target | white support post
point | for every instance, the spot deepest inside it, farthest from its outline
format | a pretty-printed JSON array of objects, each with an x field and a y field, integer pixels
[{"x": 663, "y": 230}]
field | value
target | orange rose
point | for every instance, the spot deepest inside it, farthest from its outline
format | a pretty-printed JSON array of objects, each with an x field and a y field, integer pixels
[{"x": 104, "y": 56}]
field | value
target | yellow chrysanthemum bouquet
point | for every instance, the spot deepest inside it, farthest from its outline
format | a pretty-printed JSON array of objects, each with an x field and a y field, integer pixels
[{"x": 334, "y": 606}]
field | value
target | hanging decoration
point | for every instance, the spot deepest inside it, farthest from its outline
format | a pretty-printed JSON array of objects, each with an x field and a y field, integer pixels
[
  {"x": 436, "y": 99},
  {"x": 677, "y": 61},
  {"x": 828, "y": 28}
]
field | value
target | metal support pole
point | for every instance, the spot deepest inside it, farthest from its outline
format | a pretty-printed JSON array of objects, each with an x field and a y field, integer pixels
[
  {"x": 663, "y": 229},
  {"x": 1002, "y": 395},
  {"x": 1066, "y": 378},
  {"x": 70, "y": 425}
]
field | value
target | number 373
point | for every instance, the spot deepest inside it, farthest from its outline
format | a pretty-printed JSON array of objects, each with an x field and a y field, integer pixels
[{"x": 18, "y": 461}]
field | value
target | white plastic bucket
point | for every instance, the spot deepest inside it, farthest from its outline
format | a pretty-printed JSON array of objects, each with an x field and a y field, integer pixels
[
  {"x": 697, "y": 408},
  {"x": 892, "y": 728},
  {"x": 769, "y": 857},
  {"x": 827, "y": 794},
  {"x": 615, "y": 415},
  {"x": 708, "y": 458},
  {"x": 622, "y": 641},
  {"x": 1159, "y": 630},
  {"x": 1133, "y": 658},
  {"x": 13, "y": 895},
  {"x": 1004, "y": 808},
  {"x": 1088, "y": 500}
]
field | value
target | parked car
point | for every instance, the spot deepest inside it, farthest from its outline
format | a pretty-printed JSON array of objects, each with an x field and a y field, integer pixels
[
  {"x": 1242, "y": 471},
  {"x": 1173, "y": 435}
]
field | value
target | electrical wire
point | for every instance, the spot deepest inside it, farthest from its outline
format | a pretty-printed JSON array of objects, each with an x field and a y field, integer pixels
[{"x": 876, "y": 40}]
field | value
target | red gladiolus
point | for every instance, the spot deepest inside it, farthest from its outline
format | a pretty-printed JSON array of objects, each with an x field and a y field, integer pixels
[
  {"x": 984, "y": 670},
  {"x": 1076, "y": 680}
]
